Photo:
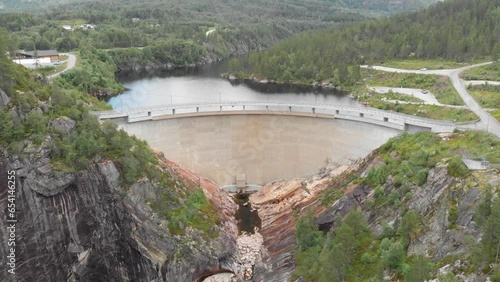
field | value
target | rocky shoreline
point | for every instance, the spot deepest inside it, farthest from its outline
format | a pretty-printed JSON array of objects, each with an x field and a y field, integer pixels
[{"x": 325, "y": 84}]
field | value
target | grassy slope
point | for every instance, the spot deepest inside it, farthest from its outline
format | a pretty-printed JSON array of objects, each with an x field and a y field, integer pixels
[
  {"x": 488, "y": 72},
  {"x": 488, "y": 96},
  {"x": 440, "y": 86}
]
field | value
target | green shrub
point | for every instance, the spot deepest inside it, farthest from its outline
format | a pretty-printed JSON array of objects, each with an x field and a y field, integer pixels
[
  {"x": 377, "y": 176},
  {"x": 495, "y": 276},
  {"x": 419, "y": 269},
  {"x": 397, "y": 181},
  {"x": 393, "y": 257},
  {"x": 453, "y": 213},
  {"x": 368, "y": 258},
  {"x": 307, "y": 233},
  {"x": 421, "y": 176},
  {"x": 332, "y": 195},
  {"x": 387, "y": 231},
  {"x": 379, "y": 192},
  {"x": 393, "y": 197},
  {"x": 457, "y": 168},
  {"x": 369, "y": 204}
]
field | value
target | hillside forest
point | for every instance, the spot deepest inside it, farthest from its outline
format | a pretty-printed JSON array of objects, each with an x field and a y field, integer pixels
[{"x": 460, "y": 30}]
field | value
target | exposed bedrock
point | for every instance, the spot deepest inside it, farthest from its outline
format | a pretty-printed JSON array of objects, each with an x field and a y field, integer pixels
[
  {"x": 279, "y": 203},
  {"x": 84, "y": 227}
]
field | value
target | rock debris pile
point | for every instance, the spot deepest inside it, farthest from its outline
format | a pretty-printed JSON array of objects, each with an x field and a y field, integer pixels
[
  {"x": 222, "y": 277},
  {"x": 249, "y": 247}
]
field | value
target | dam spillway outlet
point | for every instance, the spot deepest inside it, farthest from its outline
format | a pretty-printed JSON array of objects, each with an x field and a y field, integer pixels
[{"x": 248, "y": 219}]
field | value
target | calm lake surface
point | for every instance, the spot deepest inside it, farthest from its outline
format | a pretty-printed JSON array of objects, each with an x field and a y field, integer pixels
[{"x": 204, "y": 85}]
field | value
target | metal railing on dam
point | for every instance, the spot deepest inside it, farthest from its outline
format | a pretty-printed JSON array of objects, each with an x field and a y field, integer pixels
[{"x": 361, "y": 114}]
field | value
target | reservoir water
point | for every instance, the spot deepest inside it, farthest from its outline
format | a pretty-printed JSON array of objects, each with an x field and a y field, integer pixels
[{"x": 204, "y": 85}]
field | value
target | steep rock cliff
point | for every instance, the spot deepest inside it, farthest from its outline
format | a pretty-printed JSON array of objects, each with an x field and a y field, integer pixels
[
  {"x": 278, "y": 204},
  {"x": 84, "y": 227},
  {"x": 441, "y": 237}
]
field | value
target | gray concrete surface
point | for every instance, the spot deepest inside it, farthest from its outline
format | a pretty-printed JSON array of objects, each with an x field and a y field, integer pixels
[
  {"x": 359, "y": 113},
  {"x": 264, "y": 147},
  {"x": 388, "y": 69}
]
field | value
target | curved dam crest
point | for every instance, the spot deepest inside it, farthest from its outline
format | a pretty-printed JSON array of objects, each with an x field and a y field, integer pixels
[{"x": 263, "y": 147}]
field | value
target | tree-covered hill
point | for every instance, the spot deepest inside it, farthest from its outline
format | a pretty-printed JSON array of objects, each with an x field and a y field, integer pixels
[
  {"x": 214, "y": 29},
  {"x": 217, "y": 6},
  {"x": 383, "y": 5},
  {"x": 221, "y": 28},
  {"x": 457, "y": 30},
  {"x": 243, "y": 25}
]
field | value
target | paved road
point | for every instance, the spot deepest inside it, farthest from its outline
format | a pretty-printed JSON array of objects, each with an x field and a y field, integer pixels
[
  {"x": 487, "y": 123},
  {"x": 71, "y": 62}
]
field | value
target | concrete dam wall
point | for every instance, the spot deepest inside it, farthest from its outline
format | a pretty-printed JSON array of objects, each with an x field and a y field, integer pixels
[{"x": 264, "y": 147}]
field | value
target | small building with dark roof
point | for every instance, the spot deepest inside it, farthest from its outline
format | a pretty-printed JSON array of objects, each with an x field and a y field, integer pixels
[{"x": 53, "y": 55}]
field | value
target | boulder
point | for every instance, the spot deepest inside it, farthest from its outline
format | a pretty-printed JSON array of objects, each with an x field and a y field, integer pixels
[
  {"x": 49, "y": 185},
  {"x": 4, "y": 99},
  {"x": 63, "y": 125},
  {"x": 110, "y": 173},
  {"x": 16, "y": 116}
]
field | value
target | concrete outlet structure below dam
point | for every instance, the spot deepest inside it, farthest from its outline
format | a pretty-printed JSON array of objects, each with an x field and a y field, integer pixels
[{"x": 262, "y": 147}]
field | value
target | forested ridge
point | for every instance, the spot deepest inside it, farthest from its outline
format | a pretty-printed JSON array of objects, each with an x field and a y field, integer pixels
[
  {"x": 382, "y": 5},
  {"x": 236, "y": 27},
  {"x": 171, "y": 33},
  {"x": 168, "y": 33},
  {"x": 137, "y": 24},
  {"x": 293, "y": 6},
  {"x": 458, "y": 30}
]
